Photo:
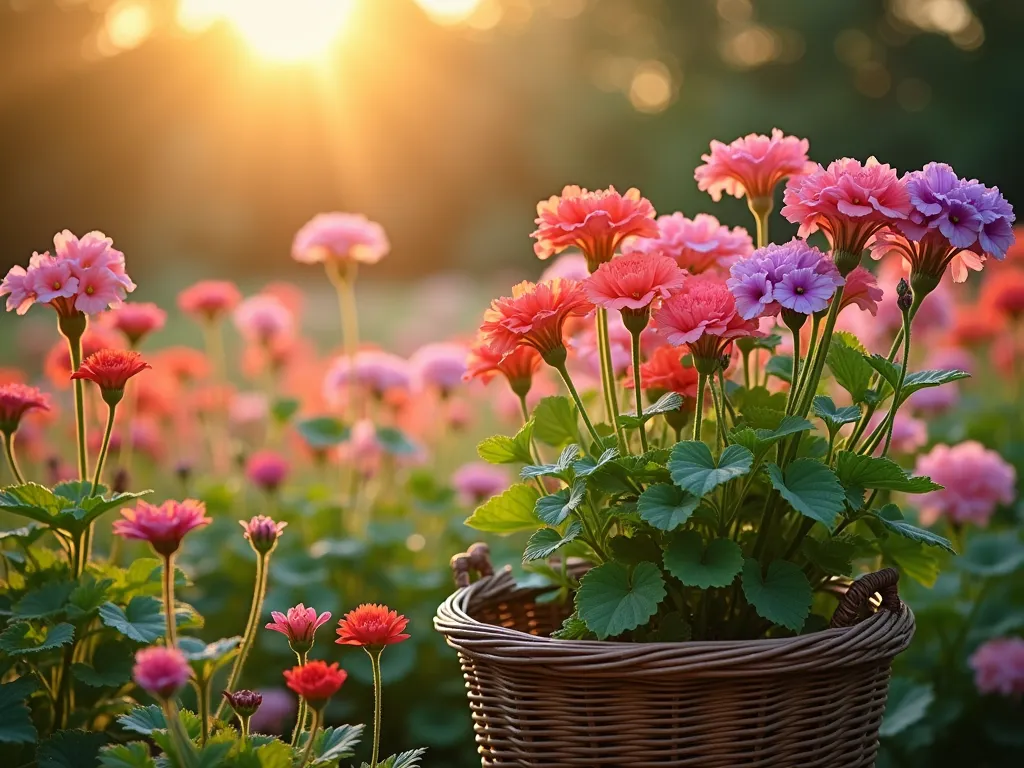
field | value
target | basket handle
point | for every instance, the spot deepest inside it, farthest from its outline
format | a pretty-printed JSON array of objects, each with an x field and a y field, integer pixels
[
  {"x": 855, "y": 600},
  {"x": 477, "y": 558}
]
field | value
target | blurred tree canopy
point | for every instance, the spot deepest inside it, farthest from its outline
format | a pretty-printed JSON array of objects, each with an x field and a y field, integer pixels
[{"x": 201, "y": 159}]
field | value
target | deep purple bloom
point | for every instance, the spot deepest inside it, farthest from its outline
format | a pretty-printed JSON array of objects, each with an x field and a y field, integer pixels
[{"x": 793, "y": 275}]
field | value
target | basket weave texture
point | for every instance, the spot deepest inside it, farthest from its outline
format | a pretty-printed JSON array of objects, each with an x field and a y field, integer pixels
[{"x": 813, "y": 701}]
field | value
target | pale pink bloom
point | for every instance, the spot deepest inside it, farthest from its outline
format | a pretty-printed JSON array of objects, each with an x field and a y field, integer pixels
[
  {"x": 262, "y": 319},
  {"x": 862, "y": 290},
  {"x": 478, "y": 481},
  {"x": 934, "y": 401},
  {"x": 267, "y": 469},
  {"x": 908, "y": 434},
  {"x": 999, "y": 667},
  {"x": 752, "y": 165},
  {"x": 19, "y": 288},
  {"x": 162, "y": 526},
  {"x": 534, "y": 315},
  {"x": 247, "y": 408},
  {"x": 376, "y": 371},
  {"x": 161, "y": 671},
  {"x": 98, "y": 289},
  {"x": 571, "y": 266},
  {"x": 277, "y": 709},
  {"x": 51, "y": 278},
  {"x": 340, "y": 237},
  {"x": 299, "y": 625},
  {"x": 700, "y": 244},
  {"x": 362, "y": 448},
  {"x": 460, "y": 414},
  {"x": 595, "y": 222},
  {"x": 976, "y": 480},
  {"x": 634, "y": 281},
  {"x": 440, "y": 365},
  {"x": 209, "y": 299},
  {"x": 136, "y": 320},
  {"x": 94, "y": 250}
]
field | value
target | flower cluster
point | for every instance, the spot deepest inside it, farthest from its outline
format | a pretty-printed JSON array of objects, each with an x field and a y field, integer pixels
[
  {"x": 698, "y": 245},
  {"x": 793, "y": 276},
  {"x": 975, "y": 479}
]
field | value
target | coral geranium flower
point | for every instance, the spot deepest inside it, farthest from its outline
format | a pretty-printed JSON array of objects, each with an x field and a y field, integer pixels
[
  {"x": 518, "y": 366},
  {"x": 15, "y": 401},
  {"x": 372, "y": 627},
  {"x": 665, "y": 372},
  {"x": 633, "y": 282},
  {"x": 595, "y": 222},
  {"x": 110, "y": 370},
  {"x": 534, "y": 315},
  {"x": 315, "y": 681},
  {"x": 752, "y": 165},
  {"x": 861, "y": 289},
  {"x": 162, "y": 526},
  {"x": 209, "y": 299},
  {"x": 1005, "y": 293},
  {"x": 136, "y": 320}
]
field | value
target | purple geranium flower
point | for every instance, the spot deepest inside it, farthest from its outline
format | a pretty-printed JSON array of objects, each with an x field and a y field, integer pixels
[{"x": 793, "y": 275}]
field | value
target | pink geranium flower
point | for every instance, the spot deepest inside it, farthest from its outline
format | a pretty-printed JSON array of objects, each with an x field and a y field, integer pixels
[
  {"x": 572, "y": 266},
  {"x": 262, "y": 319},
  {"x": 861, "y": 290},
  {"x": 752, "y": 165},
  {"x": 162, "y": 526},
  {"x": 341, "y": 237},
  {"x": 262, "y": 532},
  {"x": 849, "y": 202},
  {"x": 478, "y": 481},
  {"x": 703, "y": 317},
  {"x": 376, "y": 371},
  {"x": 267, "y": 469},
  {"x": 595, "y": 222},
  {"x": 299, "y": 625},
  {"x": 440, "y": 365},
  {"x": 161, "y": 671},
  {"x": 665, "y": 372},
  {"x": 633, "y": 282},
  {"x": 534, "y": 315},
  {"x": 209, "y": 300},
  {"x": 999, "y": 667},
  {"x": 136, "y": 320},
  {"x": 698, "y": 245},
  {"x": 976, "y": 480},
  {"x": 15, "y": 401}
]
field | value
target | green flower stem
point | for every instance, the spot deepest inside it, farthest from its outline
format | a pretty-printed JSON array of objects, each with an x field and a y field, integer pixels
[
  {"x": 203, "y": 698},
  {"x": 343, "y": 278},
  {"x": 244, "y": 724},
  {"x": 168, "y": 590},
  {"x": 639, "y": 393},
  {"x": 579, "y": 403},
  {"x": 608, "y": 378},
  {"x": 300, "y": 716},
  {"x": 307, "y": 753},
  {"x": 251, "y": 626},
  {"x": 746, "y": 370},
  {"x": 795, "y": 375},
  {"x": 375, "y": 654},
  {"x": 761, "y": 208},
  {"x": 818, "y": 364},
  {"x": 180, "y": 741},
  {"x": 75, "y": 348},
  {"x": 525, "y": 409},
  {"x": 726, "y": 402},
  {"x": 812, "y": 349},
  {"x": 698, "y": 414},
  {"x": 890, "y": 417},
  {"x": 102, "y": 460},
  {"x": 13, "y": 462}
]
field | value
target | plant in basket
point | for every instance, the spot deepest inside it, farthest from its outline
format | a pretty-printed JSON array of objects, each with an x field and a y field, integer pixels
[{"x": 724, "y": 470}]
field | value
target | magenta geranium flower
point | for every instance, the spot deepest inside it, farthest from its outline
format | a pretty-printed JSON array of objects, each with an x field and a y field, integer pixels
[
  {"x": 161, "y": 671},
  {"x": 299, "y": 625},
  {"x": 340, "y": 237},
  {"x": 698, "y": 245},
  {"x": 267, "y": 469},
  {"x": 999, "y": 667},
  {"x": 162, "y": 526},
  {"x": 634, "y": 281},
  {"x": 794, "y": 276},
  {"x": 595, "y": 222},
  {"x": 752, "y": 165},
  {"x": 15, "y": 401},
  {"x": 976, "y": 480}
]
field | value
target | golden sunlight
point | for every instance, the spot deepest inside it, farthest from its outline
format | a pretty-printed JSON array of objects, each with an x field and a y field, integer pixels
[
  {"x": 278, "y": 30},
  {"x": 449, "y": 11}
]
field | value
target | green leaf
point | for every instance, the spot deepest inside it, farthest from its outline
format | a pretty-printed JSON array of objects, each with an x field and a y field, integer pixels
[
  {"x": 666, "y": 506},
  {"x": 913, "y": 559},
  {"x": 672, "y": 628},
  {"x": 509, "y": 512},
  {"x": 573, "y": 628},
  {"x": 780, "y": 366},
  {"x": 907, "y": 705},
  {"x": 143, "y": 720},
  {"x": 750, "y": 343},
  {"x": 215, "y": 752},
  {"x": 86, "y": 598},
  {"x": 695, "y": 565},
  {"x": 834, "y": 418},
  {"x": 835, "y": 554},
  {"x": 587, "y": 466},
  {"x": 110, "y": 667},
  {"x": 560, "y": 468},
  {"x": 758, "y": 441},
  {"x": 142, "y": 620},
  {"x": 508, "y": 450},
  {"x": 322, "y": 432},
  {"x": 16, "y": 725},
  {"x": 850, "y": 369},
  {"x": 70, "y": 749},
  {"x": 283, "y": 408},
  {"x": 336, "y": 743},
  {"x": 692, "y": 466},
  {"x": 97, "y": 506},
  {"x": 879, "y": 473},
  {"x": 670, "y": 401},
  {"x": 993, "y": 554},
  {"x": 759, "y": 397},
  {"x": 205, "y": 659},
  {"x": 635, "y": 549},
  {"x": 134, "y": 754},
  {"x": 28, "y": 637},
  {"x": 891, "y": 517},
  {"x": 410, "y": 759},
  {"x": 554, "y": 508},
  {"x": 613, "y": 598},
  {"x": 49, "y": 600},
  {"x": 783, "y": 596},
  {"x": 555, "y": 422},
  {"x": 886, "y": 369},
  {"x": 547, "y": 541},
  {"x": 850, "y": 340},
  {"x": 926, "y": 379},
  {"x": 395, "y": 442},
  {"x": 757, "y": 417},
  {"x": 33, "y": 501},
  {"x": 811, "y": 488}
]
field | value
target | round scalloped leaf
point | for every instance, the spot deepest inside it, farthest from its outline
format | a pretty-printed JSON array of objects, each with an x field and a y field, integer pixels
[
  {"x": 695, "y": 565},
  {"x": 666, "y": 506},
  {"x": 694, "y": 468},
  {"x": 613, "y": 598},
  {"x": 783, "y": 595}
]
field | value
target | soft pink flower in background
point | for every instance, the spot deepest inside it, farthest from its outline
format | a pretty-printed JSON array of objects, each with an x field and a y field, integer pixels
[
  {"x": 999, "y": 667},
  {"x": 634, "y": 281},
  {"x": 439, "y": 366},
  {"x": 279, "y": 706},
  {"x": 268, "y": 469},
  {"x": 587, "y": 355},
  {"x": 908, "y": 434},
  {"x": 161, "y": 671},
  {"x": 209, "y": 299},
  {"x": 976, "y": 480},
  {"x": 374, "y": 370},
  {"x": 299, "y": 624},
  {"x": 1005, "y": 293},
  {"x": 342, "y": 237},
  {"x": 15, "y": 401},
  {"x": 752, "y": 165},
  {"x": 478, "y": 481},
  {"x": 136, "y": 320},
  {"x": 701, "y": 244},
  {"x": 162, "y": 526},
  {"x": 595, "y": 222},
  {"x": 262, "y": 319},
  {"x": 571, "y": 266}
]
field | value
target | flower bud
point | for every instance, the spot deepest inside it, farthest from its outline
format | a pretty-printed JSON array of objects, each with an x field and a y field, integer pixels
[
  {"x": 905, "y": 301},
  {"x": 120, "y": 484},
  {"x": 244, "y": 702},
  {"x": 902, "y": 286},
  {"x": 262, "y": 533}
]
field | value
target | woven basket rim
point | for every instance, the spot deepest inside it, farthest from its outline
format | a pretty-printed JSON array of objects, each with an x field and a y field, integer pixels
[{"x": 882, "y": 635}]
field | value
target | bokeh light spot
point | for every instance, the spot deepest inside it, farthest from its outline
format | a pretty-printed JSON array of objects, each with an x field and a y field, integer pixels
[
  {"x": 128, "y": 24},
  {"x": 449, "y": 11},
  {"x": 416, "y": 542},
  {"x": 651, "y": 89}
]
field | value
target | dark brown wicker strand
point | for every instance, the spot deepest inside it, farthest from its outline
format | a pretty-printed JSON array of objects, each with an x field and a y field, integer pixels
[{"x": 812, "y": 701}]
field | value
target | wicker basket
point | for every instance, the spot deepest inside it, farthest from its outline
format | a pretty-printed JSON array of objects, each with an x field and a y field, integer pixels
[{"x": 813, "y": 701}]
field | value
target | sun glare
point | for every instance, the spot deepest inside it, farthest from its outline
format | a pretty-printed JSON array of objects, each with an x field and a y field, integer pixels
[
  {"x": 277, "y": 30},
  {"x": 449, "y": 11}
]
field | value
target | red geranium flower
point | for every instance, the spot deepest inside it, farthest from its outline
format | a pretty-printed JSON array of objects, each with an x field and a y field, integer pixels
[
  {"x": 518, "y": 366},
  {"x": 110, "y": 369},
  {"x": 315, "y": 681},
  {"x": 372, "y": 627}
]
